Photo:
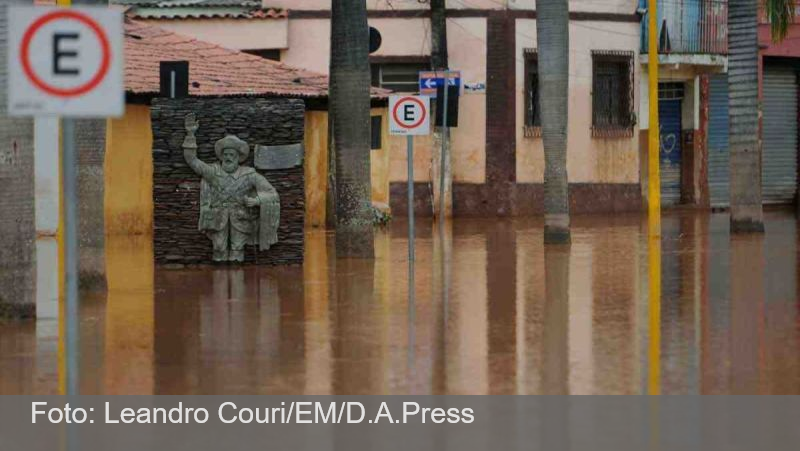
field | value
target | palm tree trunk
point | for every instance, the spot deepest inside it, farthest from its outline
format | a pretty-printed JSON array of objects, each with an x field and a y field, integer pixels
[
  {"x": 349, "y": 109},
  {"x": 745, "y": 146},
  {"x": 439, "y": 61},
  {"x": 552, "y": 27},
  {"x": 17, "y": 228},
  {"x": 439, "y": 58}
]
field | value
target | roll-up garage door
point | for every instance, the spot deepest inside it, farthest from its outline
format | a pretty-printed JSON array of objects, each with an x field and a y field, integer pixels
[
  {"x": 718, "y": 151},
  {"x": 779, "y": 159}
]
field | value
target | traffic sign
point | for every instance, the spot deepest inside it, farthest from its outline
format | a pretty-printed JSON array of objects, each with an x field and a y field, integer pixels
[
  {"x": 429, "y": 81},
  {"x": 409, "y": 115},
  {"x": 65, "y": 62}
]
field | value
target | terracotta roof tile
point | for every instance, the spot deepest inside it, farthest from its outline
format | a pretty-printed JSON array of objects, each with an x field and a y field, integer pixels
[
  {"x": 200, "y": 9},
  {"x": 213, "y": 70}
]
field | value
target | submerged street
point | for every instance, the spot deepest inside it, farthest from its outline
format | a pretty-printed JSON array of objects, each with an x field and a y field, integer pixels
[{"x": 492, "y": 312}]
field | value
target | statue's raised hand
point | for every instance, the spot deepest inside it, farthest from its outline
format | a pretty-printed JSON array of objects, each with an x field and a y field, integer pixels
[{"x": 191, "y": 123}]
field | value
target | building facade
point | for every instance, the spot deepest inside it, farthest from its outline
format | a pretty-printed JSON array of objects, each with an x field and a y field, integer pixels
[
  {"x": 692, "y": 47},
  {"x": 496, "y": 153},
  {"x": 497, "y": 157},
  {"x": 214, "y": 71},
  {"x": 779, "y": 66},
  {"x": 778, "y": 79}
]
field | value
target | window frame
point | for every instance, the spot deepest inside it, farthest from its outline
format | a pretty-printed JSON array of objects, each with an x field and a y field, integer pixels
[
  {"x": 376, "y": 131},
  {"x": 378, "y": 63},
  {"x": 268, "y": 54},
  {"x": 533, "y": 116},
  {"x": 622, "y": 123}
]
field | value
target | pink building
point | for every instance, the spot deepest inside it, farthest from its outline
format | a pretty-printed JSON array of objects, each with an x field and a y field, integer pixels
[{"x": 497, "y": 157}]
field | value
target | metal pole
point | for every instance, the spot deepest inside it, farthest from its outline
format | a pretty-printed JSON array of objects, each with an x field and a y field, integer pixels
[
  {"x": 70, "y": 180},
  {"x": 654, "y": 177},
  {"x": 654, "y": 207},
  {"x": 411, "y": 237},
  {"x": 444, "y": 144},
  {"x": 411, "y": 257}
]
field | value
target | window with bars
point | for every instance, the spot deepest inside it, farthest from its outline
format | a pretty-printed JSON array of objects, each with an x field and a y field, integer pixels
[
  {"x": 612, "y": 94},
  {"x": 399, "y": 77},
  {"x": 533, "y": 118},
  {"x": 670, "y": 90}
]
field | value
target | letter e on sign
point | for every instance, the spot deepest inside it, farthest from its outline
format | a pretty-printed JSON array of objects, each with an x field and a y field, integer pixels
[
  {"x": 409, "y": 115},
  {"x": 65, "y": 62}
]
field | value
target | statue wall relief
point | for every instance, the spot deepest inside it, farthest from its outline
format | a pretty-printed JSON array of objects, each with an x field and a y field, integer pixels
[
  {"x": 238, "y": 206},
  {"x": 228, "y": 181}
]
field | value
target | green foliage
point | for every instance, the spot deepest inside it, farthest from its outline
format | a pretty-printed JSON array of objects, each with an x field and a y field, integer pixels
[
  {"x": 380, "y": 215},
  {"x": 780, "y": 14}
]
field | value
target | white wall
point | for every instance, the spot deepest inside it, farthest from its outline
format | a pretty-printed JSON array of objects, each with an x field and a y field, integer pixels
[
  {"x": 392, "y": 4},
  {"x": 594, "y": 6},
  {"x": 589, "y": 160},
  {"x": 237, "y": 34}
]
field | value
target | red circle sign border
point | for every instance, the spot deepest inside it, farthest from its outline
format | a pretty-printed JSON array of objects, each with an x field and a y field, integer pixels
[
  {"x": 61, "y": 92},
  {"x": 415, "y": 100}
]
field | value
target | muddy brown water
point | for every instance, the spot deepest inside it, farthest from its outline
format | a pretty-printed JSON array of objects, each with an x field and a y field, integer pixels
[{"x": 492, "y": 312}]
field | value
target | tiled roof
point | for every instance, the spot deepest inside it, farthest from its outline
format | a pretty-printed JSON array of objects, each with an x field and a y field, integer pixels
[
  {"x": 207, "y": 13},
  {"x": 200, "y": 9},
  {"x": 172, "y": 3},
  {"x": 213, "y": 70}
]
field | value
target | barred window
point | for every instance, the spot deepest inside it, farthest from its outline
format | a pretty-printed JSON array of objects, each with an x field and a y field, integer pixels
[
  {"x": 532, "y": 109},
  {"x": 612, "y": 94},
  {"x": 400, "y": 77}
]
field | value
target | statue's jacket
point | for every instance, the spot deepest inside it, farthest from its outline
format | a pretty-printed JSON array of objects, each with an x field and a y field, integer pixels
[{"x": 222, "y": 202}]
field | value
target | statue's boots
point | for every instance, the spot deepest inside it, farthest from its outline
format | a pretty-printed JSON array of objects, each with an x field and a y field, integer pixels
[
  {"x": 236, "y": 256},
  {"x": 220, "y": 255}
]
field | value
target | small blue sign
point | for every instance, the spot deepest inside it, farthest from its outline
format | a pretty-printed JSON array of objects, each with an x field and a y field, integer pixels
[{"x": 431, "y": 80}]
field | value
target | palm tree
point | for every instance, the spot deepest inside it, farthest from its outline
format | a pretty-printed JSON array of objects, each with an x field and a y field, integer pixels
[
  {"x": 439, "y": 61},
  {"x": 349, "y": 111},
  {"x": 745, "y": 146},
  {"x": 552, "y": 30},
  {"x": 17, "y": 228}
]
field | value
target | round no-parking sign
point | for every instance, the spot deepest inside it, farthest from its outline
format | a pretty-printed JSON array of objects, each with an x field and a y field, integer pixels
[
  {"x": 409, "y": 115},
  {"x": 65, "y": 62}
]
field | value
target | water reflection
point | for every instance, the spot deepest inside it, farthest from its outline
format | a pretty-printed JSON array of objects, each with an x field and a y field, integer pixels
[{"x": 492, "y": 311}]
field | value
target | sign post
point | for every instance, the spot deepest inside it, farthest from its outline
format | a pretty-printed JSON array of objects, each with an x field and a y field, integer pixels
[
  {"x": 69, "y": 177},
  {"x": 429, "y": 84},
  {"x": 443, "y": 155},
  {"x": 410, "y": 116},
  {"x": 67, "y": 63}
]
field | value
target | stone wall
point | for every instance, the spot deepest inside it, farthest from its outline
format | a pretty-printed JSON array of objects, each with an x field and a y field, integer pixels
[{"x": 176, "y": 188}]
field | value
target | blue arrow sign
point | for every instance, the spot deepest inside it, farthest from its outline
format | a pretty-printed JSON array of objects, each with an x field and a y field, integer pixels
[{"x": 430, "y": 80}]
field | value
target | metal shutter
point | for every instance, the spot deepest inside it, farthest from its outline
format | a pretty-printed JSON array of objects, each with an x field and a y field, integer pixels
[
  {"x": 719, "y": 167},
  {"x": 669, "y": 113},
  {"x": 779, "y": 160}
]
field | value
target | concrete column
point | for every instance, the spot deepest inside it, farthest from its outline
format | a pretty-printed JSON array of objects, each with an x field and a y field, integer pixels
[
  {"x": 47, "y": 192},
  {"x": 46, "y": 174}
]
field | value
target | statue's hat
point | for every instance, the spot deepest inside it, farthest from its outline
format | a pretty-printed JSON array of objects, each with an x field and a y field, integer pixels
[{"x": 232, "y": 142}]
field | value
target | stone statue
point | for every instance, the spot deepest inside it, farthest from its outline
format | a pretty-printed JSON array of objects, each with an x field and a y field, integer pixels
[{"x": 238, "y": 205}]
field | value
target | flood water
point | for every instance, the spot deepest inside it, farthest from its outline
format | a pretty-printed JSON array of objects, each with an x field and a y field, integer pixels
[{"x": 492, "y": 312}]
